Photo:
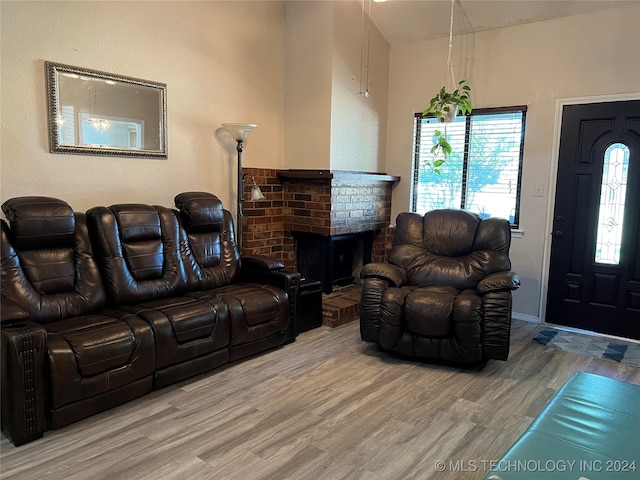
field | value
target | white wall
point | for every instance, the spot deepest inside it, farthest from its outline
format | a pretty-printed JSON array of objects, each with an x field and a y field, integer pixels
[
  {"x": 221, "y": 61},
  {"x": 358, "y": 122},
  {"x": 308, "y": 49},
  {"x": 534, "y": 65},
  {"x": 328, "y": 125}
]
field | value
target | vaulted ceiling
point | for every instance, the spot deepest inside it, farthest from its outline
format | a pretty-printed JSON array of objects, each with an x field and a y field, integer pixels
[{"x": 409, "y": 21}]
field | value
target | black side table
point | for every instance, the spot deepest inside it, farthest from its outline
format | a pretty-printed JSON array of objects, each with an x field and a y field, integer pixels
[{"x": 309, "y": 305}]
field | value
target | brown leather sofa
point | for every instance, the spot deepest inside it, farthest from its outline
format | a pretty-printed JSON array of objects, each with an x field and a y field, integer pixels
[
  {"x": 103, "y": 307},
  {"x": 445, "y": 295}
]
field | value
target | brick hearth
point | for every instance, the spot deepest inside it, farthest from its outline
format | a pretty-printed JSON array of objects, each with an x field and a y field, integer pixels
[{"x": 341, "y": 306}]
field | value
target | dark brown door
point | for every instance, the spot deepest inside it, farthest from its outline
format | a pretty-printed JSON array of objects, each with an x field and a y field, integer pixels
[{"x": 594, "y": 277}]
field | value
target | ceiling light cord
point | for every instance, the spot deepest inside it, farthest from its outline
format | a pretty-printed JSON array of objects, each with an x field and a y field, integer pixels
[
  {"x": 364, "y": 91},
  {"x": 361, "y": 46}
]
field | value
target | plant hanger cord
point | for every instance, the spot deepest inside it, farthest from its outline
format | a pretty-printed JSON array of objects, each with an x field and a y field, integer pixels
[{"x": 448, "y": 71}]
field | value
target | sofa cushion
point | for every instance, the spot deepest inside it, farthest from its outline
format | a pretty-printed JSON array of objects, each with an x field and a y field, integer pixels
[
  {"x": 255, "y": 311},
  {"x": 137, "y": 247},
  {"x": 42, "y": 234},
  {"x": 48, "y": 272},
  {"x": 184, "y": 327},
  {"x": 206, "y": 249},
  {"x": 94, "y": 354},
  {"x": 429, "y": 311},
  {"x": 200, "y": 211},
  {"x": 446, "y": 329},
  {"x": 191, "y": 320},
  {"x": 40, "y": 222},
  {"x": 99, "y": 343},
  {"x": 141, "y": 237},
  {"x": 451, "y": 234},
  {"x": 450, "y": 247},
  {"x": 210, "y": 255}
]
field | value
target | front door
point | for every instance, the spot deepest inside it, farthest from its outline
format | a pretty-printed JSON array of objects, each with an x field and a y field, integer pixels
[{"x": 594, "y": 277}]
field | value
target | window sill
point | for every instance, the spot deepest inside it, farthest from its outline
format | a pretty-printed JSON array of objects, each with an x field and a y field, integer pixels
[{"x": 517, "y": 233}]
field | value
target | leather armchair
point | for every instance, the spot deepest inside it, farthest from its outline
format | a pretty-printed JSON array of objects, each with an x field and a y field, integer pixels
[{"x": 445, "y": 294}]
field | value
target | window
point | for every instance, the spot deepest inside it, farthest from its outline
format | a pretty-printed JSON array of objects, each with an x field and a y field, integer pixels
[
  {"x": 612, "y": 198},
  {"x": 483, "y": 172}
]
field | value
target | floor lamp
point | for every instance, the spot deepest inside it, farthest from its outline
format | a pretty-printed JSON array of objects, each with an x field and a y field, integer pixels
[{"x": 240, "y": 132}]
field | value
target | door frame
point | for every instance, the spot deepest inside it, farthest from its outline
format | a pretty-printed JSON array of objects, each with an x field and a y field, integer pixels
[{"x": 553, "y": 175}]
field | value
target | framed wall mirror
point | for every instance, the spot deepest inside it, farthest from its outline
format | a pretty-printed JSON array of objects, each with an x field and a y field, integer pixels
[{"x": 99, "y": 113}]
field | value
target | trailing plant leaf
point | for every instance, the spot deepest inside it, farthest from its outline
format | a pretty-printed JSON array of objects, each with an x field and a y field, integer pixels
[{"x": 440, "y": 150}]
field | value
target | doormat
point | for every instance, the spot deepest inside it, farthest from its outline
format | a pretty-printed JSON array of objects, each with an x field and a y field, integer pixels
[{"x": 594, "y": 346}]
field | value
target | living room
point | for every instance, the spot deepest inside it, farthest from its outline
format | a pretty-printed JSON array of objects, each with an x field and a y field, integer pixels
[{"x": 293, "y": 68}]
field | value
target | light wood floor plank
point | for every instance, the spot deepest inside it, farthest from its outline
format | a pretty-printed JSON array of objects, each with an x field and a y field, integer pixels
[{"x": 327, "y": 407}]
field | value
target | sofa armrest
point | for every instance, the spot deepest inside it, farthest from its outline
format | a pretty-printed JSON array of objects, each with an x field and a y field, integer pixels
[
  {"x": 396, "y": 276},
  {"x": 11, "y": 312},
  {"x": 261, "y": 262},
  {"x": 372, "y": 310},
  {"x": 269, "y": 271},
  {"x": 499, "y": 281},
  {"x": 22, "y": 380},
  {"x": 497, "y": 324},
  {"x": 377, "y": 278}
]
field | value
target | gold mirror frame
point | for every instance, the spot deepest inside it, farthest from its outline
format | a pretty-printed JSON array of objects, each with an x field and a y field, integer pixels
[{"x": 97, "y": 113}]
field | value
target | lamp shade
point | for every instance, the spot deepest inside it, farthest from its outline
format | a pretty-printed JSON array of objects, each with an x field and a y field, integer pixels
[
  {"x": 239, "y": 131},
  {"x": 256, "y": 193}
]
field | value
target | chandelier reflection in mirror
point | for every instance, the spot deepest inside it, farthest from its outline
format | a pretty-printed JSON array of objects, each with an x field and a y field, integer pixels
[
  {"x": 102, "y": 124},
  {"x": 98, "y": 113},
  {"x": 132, "y": 140}
]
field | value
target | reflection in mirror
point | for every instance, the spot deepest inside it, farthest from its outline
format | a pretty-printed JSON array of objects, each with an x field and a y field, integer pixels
[{"x": 98, "y": 113}]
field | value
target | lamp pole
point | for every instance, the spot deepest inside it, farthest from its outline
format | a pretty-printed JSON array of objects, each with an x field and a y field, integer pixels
[
  {"x": 239, "y": 132},
  {"x": 240, "y": 148}
]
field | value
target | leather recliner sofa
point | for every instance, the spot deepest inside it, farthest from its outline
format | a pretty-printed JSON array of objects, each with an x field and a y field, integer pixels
[
  {"x": 445, "y": 295},
  {"x": 100, "y": 308}
]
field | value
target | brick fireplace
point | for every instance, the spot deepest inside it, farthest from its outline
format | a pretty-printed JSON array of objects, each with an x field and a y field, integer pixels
[{"x": 325, "y": 223}]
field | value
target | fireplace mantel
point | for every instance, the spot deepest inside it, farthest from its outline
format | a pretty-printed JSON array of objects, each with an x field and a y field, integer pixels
[
  {"x": 325, "y": 176},
  {"x": 336, "y": 202}
]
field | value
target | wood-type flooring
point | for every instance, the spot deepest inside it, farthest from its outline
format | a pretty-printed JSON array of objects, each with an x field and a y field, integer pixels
[{"x": 326, "y": 407}]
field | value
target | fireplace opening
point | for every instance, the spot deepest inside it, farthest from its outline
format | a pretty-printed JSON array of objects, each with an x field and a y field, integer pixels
[{"x": 333, "y": 260}]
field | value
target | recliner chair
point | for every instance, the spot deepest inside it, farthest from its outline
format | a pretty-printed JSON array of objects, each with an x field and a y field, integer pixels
[{"x": 445, "y": 295}]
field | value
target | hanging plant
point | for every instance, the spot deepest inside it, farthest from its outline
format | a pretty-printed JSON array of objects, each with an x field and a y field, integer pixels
[
  {"x": 446, "y": 105},
  {"x": 452, "y": 99}
]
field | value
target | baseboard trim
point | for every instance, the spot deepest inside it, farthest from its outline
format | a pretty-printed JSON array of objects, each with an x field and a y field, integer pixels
[{"x": 525, "y": 317}]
